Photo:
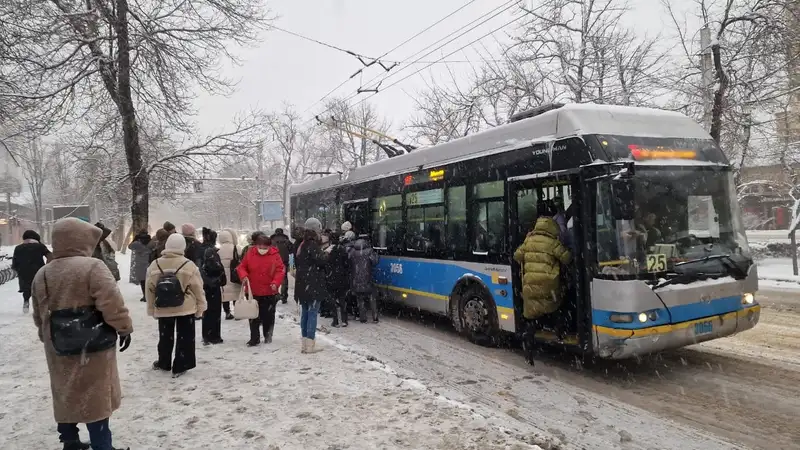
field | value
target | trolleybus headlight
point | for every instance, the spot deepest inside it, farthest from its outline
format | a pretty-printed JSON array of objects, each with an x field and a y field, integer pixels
[
  {"x": 643, "y": 317},
  {"x": 748, "y": 299}
]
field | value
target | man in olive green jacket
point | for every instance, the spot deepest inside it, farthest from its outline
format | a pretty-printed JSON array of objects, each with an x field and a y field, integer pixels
[{"x": 541, "y": 257}]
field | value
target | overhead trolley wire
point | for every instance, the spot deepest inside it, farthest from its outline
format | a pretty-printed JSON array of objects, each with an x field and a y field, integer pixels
[
  {"x": 449, "y": 54},
  {"x": 419, "y": 33},
  {"x": 474, "y": 24}
]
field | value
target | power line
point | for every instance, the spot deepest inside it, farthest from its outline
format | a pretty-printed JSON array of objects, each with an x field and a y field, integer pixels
[
  {"x": 450, "y": 54},
  {"x": 494, "y": 13},
  {"x": 475, "y": 23},
  {"x": 429, "y": 27},
  {"x": 324, "y": 44}
]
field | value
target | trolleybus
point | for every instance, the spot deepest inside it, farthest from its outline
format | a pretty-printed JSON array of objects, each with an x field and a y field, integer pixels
[{"x": 447, "y": 219}]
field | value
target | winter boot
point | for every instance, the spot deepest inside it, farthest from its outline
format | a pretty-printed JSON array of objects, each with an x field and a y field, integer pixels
[
  {"x": 77, "y": 445},
  {"x": 304, "y": 341},
  {"x": 228, "y": 316},
  {"x": 268, "y": 338},
  {"x": 252, "y": 343},
  {"x": 312, "y": 348},
  {"x": 26, "y": 307}
]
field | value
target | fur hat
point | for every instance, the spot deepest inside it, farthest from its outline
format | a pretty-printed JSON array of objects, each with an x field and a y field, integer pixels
[
  {"x": 347, "y": 226},
  {"x": 175, "y": 243},
  {"x": 313, "y": 224},
  {"x": 188, "y": 230},
  {"x": 349, "y": 235}
]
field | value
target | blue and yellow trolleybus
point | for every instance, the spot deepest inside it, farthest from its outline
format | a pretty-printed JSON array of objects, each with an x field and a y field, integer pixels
[{"x": 447, "y": 219}]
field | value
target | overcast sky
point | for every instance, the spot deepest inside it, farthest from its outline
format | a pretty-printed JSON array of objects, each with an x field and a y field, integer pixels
[{"x": 285, "y": 68}]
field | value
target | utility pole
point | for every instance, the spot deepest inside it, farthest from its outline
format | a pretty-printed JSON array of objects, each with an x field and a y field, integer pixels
[
  {"x": 260, "y": 186},
  {"x": 707, "y": 66}
]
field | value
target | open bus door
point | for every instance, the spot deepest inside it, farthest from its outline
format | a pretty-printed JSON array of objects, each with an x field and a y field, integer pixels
[
  {"x": 525, "y": 192},
  {"x": 357, "y": 213}
]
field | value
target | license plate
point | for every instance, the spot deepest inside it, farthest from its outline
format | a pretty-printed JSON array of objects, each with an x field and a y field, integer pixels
[{"x": 701, "y": 328}]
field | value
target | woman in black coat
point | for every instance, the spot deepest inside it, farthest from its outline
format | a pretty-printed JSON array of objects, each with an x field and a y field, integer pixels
[
  {"x": 28, "y": 258},
  {"x": 338, "y": 281},
  {"x": 310, "y": 287}
]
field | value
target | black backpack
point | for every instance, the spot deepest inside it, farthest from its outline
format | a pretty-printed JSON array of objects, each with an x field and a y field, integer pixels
[
  {"x": 212, "y": 269},
  {"x": 234, "y": 264},
  {"x": 169, "y": 292}
]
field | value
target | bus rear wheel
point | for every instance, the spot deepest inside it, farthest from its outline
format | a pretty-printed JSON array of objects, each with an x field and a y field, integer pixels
[{"x": 477, "y": 316}]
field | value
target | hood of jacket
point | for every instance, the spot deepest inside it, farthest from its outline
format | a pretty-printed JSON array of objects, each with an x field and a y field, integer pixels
[
  {"x": 361, "y": 244},
  {"x": 106, "y": 231},
  {"x": 74, "y": 237},
  {"x": 225, "y": 237},
  {"x": 547, "y": 226}
]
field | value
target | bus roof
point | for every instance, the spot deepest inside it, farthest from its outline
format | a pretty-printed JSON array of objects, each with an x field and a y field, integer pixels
[{"x": 574, "y": 119}]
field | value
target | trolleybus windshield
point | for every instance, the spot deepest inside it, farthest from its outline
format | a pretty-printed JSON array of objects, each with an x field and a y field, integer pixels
[{"x": 682, "y": 215}]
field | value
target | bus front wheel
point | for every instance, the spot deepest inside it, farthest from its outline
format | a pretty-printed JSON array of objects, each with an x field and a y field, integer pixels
[{"x": 477, "y": 317}]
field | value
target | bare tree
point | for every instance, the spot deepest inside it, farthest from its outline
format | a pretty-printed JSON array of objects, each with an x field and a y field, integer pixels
[
  {"x": 346, "y": 150},
  {"x": 294, "y": 149},
  {"x": 143, "y": 58},
  {"x": 582, "y": 47},
  {"x": 33, "y": 158}
]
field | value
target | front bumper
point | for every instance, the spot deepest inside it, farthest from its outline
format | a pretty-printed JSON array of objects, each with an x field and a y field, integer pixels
[{"x": 615, "y": 343}]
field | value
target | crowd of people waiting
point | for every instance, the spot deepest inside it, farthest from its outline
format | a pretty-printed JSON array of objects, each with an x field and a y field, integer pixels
[{"x": 80, "y": 313}]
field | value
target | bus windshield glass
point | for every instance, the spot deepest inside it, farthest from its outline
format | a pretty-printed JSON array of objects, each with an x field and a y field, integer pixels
[{"x": 686, "y": 221}]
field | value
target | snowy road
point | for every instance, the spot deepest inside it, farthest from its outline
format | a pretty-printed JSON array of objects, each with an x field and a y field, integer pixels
[{"x": 743, "y": 390}]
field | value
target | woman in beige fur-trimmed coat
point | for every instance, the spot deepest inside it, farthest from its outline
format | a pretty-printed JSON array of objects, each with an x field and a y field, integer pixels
[
  {"x": 85, "y": 387},
  {"x": 230, "y": 292}
]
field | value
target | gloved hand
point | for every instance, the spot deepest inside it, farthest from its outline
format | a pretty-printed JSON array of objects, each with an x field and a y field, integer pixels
[{"x": 124, "y": 342}]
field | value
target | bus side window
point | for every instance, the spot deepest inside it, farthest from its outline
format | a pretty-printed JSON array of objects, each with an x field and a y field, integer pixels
[
  {"x": 488, "y": 217},
  {"x": 457, "y": 219}
]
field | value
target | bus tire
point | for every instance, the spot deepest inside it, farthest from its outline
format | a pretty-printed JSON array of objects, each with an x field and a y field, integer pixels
[{"x": 477, "y": 315}]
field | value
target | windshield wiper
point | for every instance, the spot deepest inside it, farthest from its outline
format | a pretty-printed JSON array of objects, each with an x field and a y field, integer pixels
[
  {"x": 699, "y": 276},
  {"x": 726, "y": 261}
]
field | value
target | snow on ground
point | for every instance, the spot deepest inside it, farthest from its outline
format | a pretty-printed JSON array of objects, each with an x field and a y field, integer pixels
[
  {"x": 267, "y": 397},
  {"x": 777, "y": 273}
]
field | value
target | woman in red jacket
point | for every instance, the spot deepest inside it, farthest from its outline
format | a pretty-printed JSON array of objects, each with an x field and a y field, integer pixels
[{"x": 263, "y": 267}]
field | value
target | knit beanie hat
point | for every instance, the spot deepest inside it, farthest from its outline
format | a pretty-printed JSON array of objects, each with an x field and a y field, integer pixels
[
  {"x": 347, "y": 226},
  {"x": 349, "y": 235},
  {"x": 313, "y": 224},
  {"x": 188, "y": 230},
  {"x": 175, "y": 243}
]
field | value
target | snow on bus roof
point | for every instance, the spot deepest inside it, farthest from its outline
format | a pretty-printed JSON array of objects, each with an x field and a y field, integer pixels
[{"x": 574, "y": 119}]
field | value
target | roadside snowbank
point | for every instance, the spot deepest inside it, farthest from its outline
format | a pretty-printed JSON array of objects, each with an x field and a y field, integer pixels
[
  {"x": 777, "y": 273},
  {"x": 267, "y": 397}
]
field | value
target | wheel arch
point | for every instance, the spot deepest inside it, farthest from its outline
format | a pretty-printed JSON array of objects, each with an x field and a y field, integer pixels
[{"x": 463, "y": 285}]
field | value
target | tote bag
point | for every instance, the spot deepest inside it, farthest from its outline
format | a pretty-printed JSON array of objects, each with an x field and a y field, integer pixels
[{"x": 246, "y": 306}]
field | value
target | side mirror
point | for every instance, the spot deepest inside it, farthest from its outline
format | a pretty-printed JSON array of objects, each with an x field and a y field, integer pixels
[{"x": 622, "y": 205}]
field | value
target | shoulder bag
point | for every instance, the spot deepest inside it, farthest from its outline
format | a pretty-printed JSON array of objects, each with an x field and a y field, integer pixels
[
  {"x": 246, "y": 306},
  {"x": 80, "y": 330}
]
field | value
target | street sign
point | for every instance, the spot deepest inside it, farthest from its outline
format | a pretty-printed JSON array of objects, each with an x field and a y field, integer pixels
[{"x": 270, "y": 210}]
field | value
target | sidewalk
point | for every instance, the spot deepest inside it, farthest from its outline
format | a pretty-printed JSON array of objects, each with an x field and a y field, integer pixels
[{"x": 266, "y": 397}]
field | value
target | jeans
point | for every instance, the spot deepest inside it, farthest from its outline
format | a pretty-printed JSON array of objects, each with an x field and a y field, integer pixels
[
  {"x": 308, "y": 319},
  {"x": 184, "y": 348},
  {"x": 99, "y": 434},
  {"x": 266, "y": 317}
]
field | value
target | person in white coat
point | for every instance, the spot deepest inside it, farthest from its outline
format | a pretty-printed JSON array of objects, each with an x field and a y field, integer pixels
[{"x": 228, "y": 253}]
